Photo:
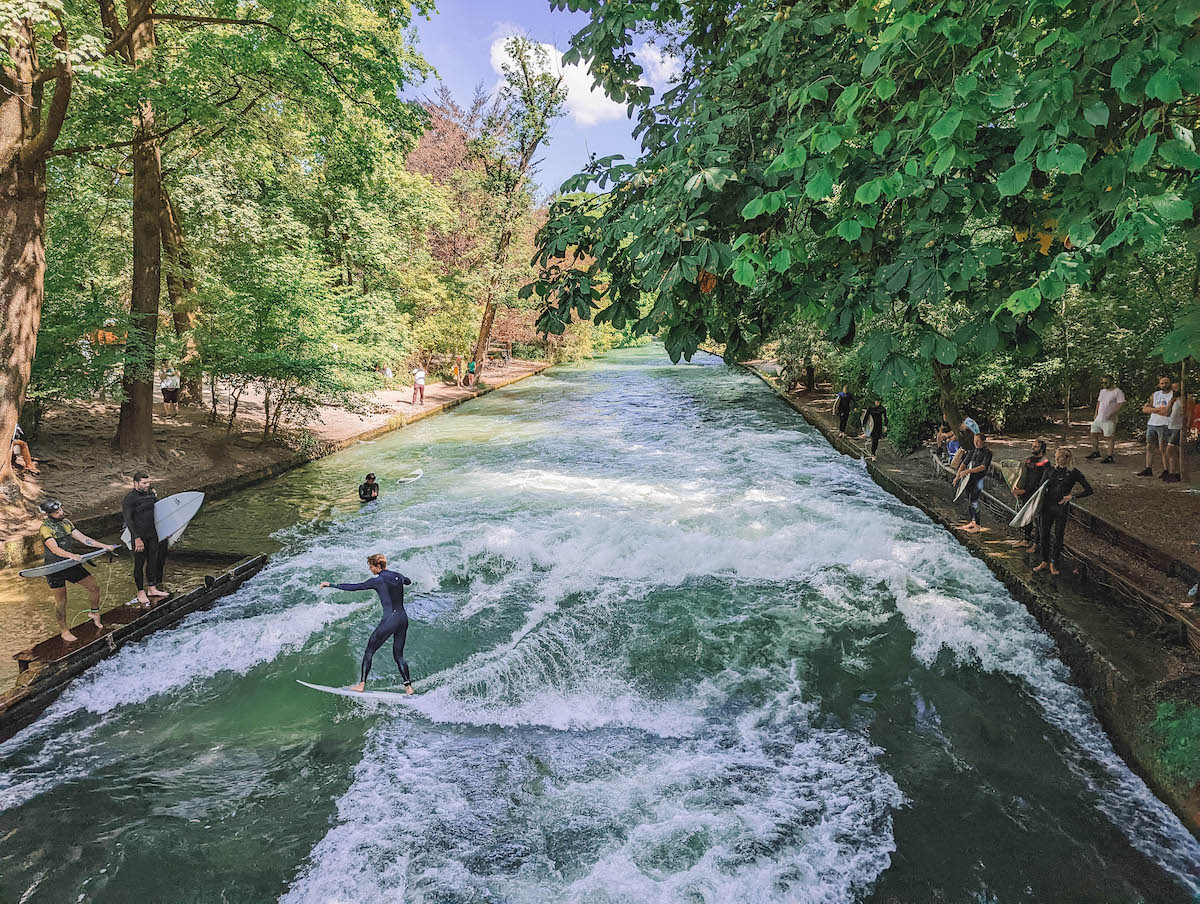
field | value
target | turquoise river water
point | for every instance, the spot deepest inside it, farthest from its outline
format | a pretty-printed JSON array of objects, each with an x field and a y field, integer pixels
[{"x": 670, "y": 647}]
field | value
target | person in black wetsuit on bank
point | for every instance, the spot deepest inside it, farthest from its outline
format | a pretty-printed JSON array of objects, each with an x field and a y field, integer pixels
[
  {"x": 394, "y": 624},
  {"x": 1033, "y": 473},
  {"x": 368, "y": 490},
  {"x": 149, "y": 552},
  {"x": 1056, "y": 507}
]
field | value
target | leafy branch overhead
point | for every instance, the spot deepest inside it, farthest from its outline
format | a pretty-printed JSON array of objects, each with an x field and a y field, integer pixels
[{"x": 878, "y": 159}]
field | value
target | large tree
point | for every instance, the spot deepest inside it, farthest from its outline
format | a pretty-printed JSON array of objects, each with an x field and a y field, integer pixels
[{"x": 856, "y": 160}]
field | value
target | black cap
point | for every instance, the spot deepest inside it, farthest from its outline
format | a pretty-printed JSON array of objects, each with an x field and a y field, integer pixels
[{"x": 50, "y": 506}]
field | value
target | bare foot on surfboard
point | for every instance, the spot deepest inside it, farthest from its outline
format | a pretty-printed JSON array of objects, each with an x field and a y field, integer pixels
[
  {"x": 360, "y": 687},
  {"x": 68, "y": 637},
  {"x": 408, "y": 689}
]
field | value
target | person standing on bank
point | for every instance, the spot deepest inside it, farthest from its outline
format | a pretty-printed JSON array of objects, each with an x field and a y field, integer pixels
[
  {"x": 418, "y": 385},
  {"x": 1109, "y": 403},
  {"x": 975, "y": 467},
  {"x": 842, "y": 403},
  {"x": 878, "y": 415},
  {"x": 1158, "y": 406},
  {"x": 1033, "y": 473},
  {"x": 1175, "y": 421},
  {"x": 169, "y": 386},
  {"x": 1060, "y": 486},
  {"x": 60, "y": 539},
  {"x": 149, "y": 553}
]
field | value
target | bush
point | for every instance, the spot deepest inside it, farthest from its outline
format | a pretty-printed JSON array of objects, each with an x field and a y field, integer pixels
[{"x": 1176, "y": 731}]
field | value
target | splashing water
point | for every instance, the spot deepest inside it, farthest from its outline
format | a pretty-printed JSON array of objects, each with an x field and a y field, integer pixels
[{"x": 669, "y": 647}]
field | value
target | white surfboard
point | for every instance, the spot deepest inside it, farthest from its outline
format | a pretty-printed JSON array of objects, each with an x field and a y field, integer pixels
[
  {"x": 962, "y": 485},
  {"x": 171, "y": 516},
  {"x": 868, "y": 422},
  {"x": 415, "y": 475},
  {"x": 42, "y": 570},
  {"x": 1026, "y": 513},
  {"x": 1011, "y": 470},
  {"x": 376, "y": 696}
]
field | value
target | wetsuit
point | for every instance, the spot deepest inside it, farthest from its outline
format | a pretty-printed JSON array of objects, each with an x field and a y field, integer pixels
[
  {"x": 394, "y": 624},
  {"x": 1059, "y": 483},
  {"x": 977, "y": 458},
  {"x": 1036, "y": 471},
  {"x": 845, "y": 402},
  {"x": 138, "y": 511},
  {"x": 368, "y": 492},
  {"x": 880, "y": 414}
]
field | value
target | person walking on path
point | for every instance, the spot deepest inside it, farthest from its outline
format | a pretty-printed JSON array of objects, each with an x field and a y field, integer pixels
[
  {"x": 418, "y": 386},
  {"x": 60, "y": 538},
  {"x": 1060, "y": 486},
  {"x": 394, "y": 624},
  {"x": 1158, "y": 406},
  {"x": 21, "y": 448},
  {"x": 1109, "y": 402},
  {"x": 843, "y": 402},
  {"x": 368, "y": 490},
  {"x": 149, "y": 552},
  {"x": 169, "y": 387},
  {"x": 457, "y": 370},
  {"x": 974, "y": 468},
  {"x": 471, "y": 372},
  {"x": 1175, "y": 434},
  {"x": 878, "y": 425},
  {"x": 1033, "y": 473}
]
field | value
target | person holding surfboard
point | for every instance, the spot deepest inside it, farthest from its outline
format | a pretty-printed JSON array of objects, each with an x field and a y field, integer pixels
[
  {"x": 60, "y": 538},
  {"x": 149, "y": 552},
  {"x": 974, "y": 468},
  {"x": 843, "y": 403},
  {"x": 1034, "y": 471},
  {"x": 1060, "y": 486},
  {"x": 874, "y": 423},
  {"x": 394, "y": 624}
]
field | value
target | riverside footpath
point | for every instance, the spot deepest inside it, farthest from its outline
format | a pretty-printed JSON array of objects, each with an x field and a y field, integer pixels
[
  {"x": 1114, "y": 611},
  {"x": 79, "y": 467}
]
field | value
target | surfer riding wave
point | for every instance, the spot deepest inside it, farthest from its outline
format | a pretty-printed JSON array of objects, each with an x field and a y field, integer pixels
[{"x": 394, "y": 624}]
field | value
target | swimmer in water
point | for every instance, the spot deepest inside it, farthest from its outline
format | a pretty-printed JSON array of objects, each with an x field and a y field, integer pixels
[{"x": 394, "y": 624}]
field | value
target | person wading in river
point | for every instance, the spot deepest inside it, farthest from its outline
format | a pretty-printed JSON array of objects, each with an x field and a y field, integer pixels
[
  {"x": 975, "y": 467},
  {"x": 394, "y": 624},
  {"x": 149, "y": 553},
  {"x": 60, "y": 539},
  {"x": 368, "y": 490},
  {"x": 1057, "y": 506}
]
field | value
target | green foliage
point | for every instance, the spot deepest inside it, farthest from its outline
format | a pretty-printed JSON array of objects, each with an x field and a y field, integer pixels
[
  {"x": 1176, "y": 733},
  {"x": 904, "y": 157}
]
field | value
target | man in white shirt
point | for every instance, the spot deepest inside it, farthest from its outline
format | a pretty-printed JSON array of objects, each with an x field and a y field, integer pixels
[
  {"x": 1175, "y": 420},
  {"x": 1109, "y": 403},
  {"x": 1158, "y": 406},
  {"x": 418, "y": 386}
]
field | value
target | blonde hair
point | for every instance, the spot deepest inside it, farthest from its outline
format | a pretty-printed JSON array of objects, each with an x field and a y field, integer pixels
[
  {"x": 1066, "y": 454},
  {"x": 379, "y": 560}
]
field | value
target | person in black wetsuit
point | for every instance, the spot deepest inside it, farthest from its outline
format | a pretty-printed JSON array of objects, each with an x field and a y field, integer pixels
[
  {"x": 149, "y": 553},
  {"x": 394, "y": 624},
  {"x": 1056, "y": 506},
  {"x": 878, "y": 425},
  {"x": 843, "y": 402},
  {"x": 368, "y": 490},
  {"x": 975, "y": 467},
  {"x": 1033, "y": 473}
]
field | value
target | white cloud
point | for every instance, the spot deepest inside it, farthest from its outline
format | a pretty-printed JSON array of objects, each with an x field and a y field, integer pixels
[
  {"x": 660, "y": 67},
  {"x": 586, "y": 105}
]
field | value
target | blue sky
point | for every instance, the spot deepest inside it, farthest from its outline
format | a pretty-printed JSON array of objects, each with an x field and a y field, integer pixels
[{"x": 463, "y": 43}]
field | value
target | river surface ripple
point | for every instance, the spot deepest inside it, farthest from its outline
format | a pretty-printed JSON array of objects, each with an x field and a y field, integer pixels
[{"x": 671, "y": 647}]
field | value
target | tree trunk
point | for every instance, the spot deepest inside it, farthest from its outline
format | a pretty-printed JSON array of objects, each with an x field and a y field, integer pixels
[
  {"x": 22, "y": 272},
  {"x": 135, "y": 429},
  {"x": 25, "y": 140},
  {"x": 181, "y": 293},
  {"x": 489, "y": 306},
  {"x": 953, "y": 414}
]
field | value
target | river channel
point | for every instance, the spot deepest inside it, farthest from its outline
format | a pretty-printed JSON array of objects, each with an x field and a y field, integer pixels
[{"x": 670, "y": 647}]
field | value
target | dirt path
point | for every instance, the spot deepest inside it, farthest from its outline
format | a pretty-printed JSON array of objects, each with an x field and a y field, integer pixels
[{"x": 78, "y": 465}]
